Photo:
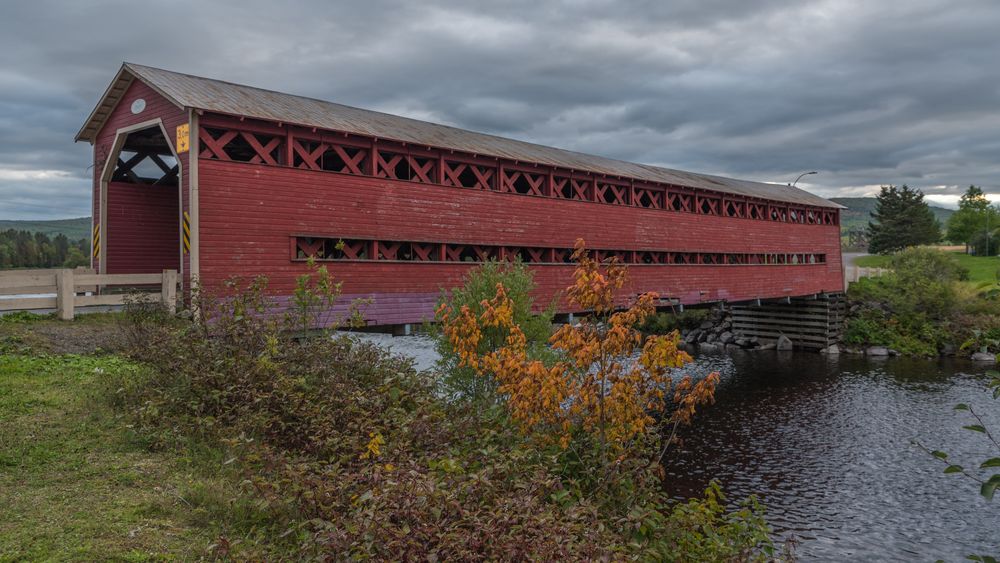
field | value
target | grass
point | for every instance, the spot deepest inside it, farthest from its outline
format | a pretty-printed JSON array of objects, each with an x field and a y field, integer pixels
[
  {"x": 981, "y": 268},
  {"x": 77, "y": 485},
  {"x": 27, "y": 317},
  {"x": 873, "y": 261}
]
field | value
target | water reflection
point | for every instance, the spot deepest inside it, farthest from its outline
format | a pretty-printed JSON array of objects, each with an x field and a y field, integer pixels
[{"x": 825, "y": 442}]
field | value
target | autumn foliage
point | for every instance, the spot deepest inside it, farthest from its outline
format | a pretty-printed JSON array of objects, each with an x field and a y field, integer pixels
[
  {"x": 610, "y": 385},
  {"x": 336, "y": 450}
]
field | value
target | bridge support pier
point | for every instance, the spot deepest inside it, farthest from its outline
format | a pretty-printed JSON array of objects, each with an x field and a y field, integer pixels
[
  {"x": 813, "y": 322},
  {"x": 402, "y": 330}
]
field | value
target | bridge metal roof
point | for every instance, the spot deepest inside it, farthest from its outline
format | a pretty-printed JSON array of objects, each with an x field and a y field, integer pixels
[{"x": 187, "y": 91}]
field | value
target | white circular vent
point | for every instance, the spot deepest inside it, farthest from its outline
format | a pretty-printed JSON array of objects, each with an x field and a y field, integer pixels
[{"x": 138, "y": 106}]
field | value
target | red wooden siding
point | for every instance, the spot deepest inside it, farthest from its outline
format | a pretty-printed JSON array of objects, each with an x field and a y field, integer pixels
[
  {"x": 228, "y": 139},
  {"x": 119, "y": 245},
  {"x": 250, "y": 211},
  {"x": 142, "y": 223}
]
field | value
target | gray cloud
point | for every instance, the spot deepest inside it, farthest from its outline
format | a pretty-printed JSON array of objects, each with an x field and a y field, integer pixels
[{"x": 868, "y": 93}]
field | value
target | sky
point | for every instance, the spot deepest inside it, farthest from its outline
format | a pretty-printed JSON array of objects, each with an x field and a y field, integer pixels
[{"x": 866, "y": 93}]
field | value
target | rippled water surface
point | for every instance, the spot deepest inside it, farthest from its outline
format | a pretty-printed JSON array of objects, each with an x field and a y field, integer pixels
[{"x": 826, "y": 444}]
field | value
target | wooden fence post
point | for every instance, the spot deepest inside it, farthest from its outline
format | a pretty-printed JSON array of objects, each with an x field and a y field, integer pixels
[
  {"x": 168, "y": 291},
  {"x": 65, "y": 293}
]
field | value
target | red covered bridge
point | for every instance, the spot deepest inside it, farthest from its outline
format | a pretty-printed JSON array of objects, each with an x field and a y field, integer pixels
[{"x": 217, "y": 179}]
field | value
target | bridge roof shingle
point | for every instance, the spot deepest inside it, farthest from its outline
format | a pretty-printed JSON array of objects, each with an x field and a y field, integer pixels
[{"x": 187, "y": 91}]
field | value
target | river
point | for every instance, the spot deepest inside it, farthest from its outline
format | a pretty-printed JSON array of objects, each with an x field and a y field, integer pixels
[{"x": 826, "y": 444}]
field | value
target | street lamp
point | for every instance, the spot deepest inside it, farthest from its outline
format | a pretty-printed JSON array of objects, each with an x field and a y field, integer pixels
[
  {"x": 800, "y": 177},
  {"x": 987, "y": 231}
]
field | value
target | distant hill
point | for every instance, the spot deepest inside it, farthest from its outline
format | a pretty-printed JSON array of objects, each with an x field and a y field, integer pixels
[
  {"x": 74, "y": 229},
  {"x": 859, "y": 210}
]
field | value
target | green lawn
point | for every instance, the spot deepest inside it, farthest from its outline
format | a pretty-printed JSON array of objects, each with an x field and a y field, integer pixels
[
  {"x": 873, "y": 261},
  {"x": 75, "y": 483},
  {"x": 981, "y": 268}
]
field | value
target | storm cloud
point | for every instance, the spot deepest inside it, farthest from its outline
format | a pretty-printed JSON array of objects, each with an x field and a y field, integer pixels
[{"x": 867, "y": 93}]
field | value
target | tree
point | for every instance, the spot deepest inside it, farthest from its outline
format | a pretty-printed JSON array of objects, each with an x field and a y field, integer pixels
[
  {"x": 480, "y": 285},
  {"x": 75, "y": 258},
  {"x": 974, "y": 216},
  {"x": 22, "y": 249},
  {"x": 902, "y": 219},
  {"x": 611, "y": 383}
]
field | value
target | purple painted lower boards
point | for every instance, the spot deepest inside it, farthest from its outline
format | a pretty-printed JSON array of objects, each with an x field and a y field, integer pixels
[{"x": 379, "y": 308}]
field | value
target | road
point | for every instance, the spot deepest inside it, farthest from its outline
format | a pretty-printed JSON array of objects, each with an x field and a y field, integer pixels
[{"x": 850, "y": 257}]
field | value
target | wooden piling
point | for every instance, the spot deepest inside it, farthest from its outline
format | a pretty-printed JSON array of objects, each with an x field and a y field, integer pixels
[{"x": 809, "y": 322}]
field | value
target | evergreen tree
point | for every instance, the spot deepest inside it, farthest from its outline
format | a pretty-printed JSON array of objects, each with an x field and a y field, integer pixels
[
  {"x": 974, "y": 216},
  {"x": 22, "y": 249},
  {"x": 901, "y": 219}
]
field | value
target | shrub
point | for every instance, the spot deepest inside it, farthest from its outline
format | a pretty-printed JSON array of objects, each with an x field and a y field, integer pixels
[
  {"x": 478, "y": 286},
  {"x": 867, "y": 327},
  {"x": 982, "y": 338},
  {"x": 665, "y": 323},
  {"x": 922, "y": 281},
  {"x": 600, "y": 414},
  {"x": 348, "y": 453},
  {"x": 612, "y": 380},
  {"x": 348, "y": 447},
  {"x": 911, "y": 308},
  {"x": 977, "y": 299},
  {"x": 923, "y": 263},
  {"x": 912, "y": 335},
  {"x": 703, "y": 530}
]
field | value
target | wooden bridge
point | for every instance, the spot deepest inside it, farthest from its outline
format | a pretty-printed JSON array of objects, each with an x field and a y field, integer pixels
[{"x": 215, "y": 179}]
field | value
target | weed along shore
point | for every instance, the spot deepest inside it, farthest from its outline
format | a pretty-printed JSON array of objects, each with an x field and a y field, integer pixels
[
  {"x": 255, "y": 436},
  {"x": 930, "y": 304}
]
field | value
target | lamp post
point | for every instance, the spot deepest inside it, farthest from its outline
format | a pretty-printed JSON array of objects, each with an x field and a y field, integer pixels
[
  {"x": 800, "y": 177},
  {"x": 989, "y": 213}
]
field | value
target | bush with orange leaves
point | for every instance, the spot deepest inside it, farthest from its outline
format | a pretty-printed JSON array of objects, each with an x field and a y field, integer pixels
[{"x": 612, "y": 388}]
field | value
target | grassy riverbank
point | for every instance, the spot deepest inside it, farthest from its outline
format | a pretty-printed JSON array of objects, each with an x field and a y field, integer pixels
[
  {"x": 981, "y": 268},
  {"x": 931, "y": 303},
  {"x": 147, "y": 439}
]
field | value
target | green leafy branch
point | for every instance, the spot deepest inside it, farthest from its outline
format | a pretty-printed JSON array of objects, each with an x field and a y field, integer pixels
[{"x": 989, "y": 485}]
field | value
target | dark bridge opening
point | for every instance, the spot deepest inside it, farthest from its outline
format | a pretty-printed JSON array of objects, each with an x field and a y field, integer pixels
[
  {"x": 146, "y": 158},
  {"x": 142, "y": 232}
]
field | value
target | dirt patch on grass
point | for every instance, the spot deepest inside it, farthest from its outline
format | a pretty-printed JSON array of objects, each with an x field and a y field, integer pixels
[
  {"x": 70, "y": 338},
  {"x": 89, "y": 334}
]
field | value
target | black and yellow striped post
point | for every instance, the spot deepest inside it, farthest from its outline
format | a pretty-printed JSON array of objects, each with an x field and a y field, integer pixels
[
  {"x": 186, "y": 234},
  {"x": 97, "y": 241}
]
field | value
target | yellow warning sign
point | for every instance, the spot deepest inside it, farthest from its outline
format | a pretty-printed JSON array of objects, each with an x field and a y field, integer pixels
[
  {"x": 186, "y": 235},
  {"x": 97, "y": 240},
  {"x": 183, "y": 138}
]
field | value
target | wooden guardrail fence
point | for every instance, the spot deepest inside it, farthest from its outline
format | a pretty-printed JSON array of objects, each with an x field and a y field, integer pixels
[
  {"x": 64, "y": 290},
  {"x": 854, "y": 274}
]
